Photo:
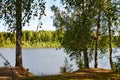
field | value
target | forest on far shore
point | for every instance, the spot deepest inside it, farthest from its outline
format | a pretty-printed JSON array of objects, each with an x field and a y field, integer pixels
[
  {"x": 32, "y": 39},
  {"x": 45, "y": 39}
]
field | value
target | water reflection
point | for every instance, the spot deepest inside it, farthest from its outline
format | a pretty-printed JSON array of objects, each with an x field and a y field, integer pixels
[{"x": 45, "y": 61}]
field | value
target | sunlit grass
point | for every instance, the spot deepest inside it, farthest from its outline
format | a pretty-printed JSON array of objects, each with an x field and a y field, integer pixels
[{"x": 90, "y": 76}]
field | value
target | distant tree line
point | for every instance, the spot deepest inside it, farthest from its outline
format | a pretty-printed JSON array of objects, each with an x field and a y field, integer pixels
[{"x": 32, "y": 38}]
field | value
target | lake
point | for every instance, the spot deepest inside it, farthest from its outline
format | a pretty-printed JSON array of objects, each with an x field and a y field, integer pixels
[
  {"x": 45, "y": 61},
  {"x": 40, "y": 61}
]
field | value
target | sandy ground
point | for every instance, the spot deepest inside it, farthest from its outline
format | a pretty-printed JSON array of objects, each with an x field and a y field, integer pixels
[
  {"x": 8, "y": 73},
  {"x": 5, "y": 78}
]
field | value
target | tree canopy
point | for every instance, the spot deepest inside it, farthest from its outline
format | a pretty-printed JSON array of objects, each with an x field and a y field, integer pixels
[
  {"x": 15, "y": 14},
  {"x": 86, "y": 23}
]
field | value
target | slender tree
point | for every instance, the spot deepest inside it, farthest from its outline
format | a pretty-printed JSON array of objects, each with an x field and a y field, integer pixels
[
  {"x": 18, "y": 6},
  {"x": 16, "y": 13},
  {"x": 76, "y": 20},
  {"x": 110, "y": 43},
  {"x": 112, "y": 15},
  {"x": 97, "y": 36}
]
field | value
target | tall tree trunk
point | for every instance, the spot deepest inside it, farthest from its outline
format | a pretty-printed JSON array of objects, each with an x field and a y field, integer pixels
[
  {"x": 110, "y": 44},
  {"x": 86, "y": 60},
  {"x": 80, "y": 61},
  {"x": 97, "y": 38},
  {"x": 18, "y": 34}
]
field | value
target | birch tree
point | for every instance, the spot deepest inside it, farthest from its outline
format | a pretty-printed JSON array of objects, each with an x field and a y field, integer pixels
[{"x": 15, "y": 14}]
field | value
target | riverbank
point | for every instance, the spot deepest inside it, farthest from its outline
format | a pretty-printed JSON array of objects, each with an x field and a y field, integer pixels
[
  {"x": 35, "y": 45},
  {"x": 85, "y": 74},
  {"x": 14, "y": 73}
]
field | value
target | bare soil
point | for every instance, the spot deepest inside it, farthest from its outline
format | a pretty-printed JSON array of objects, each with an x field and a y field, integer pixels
[
  {"x": 95, "y": 74},
  {"x": 97, "y": 70},
  {"x": 15, "y": 72},
  {"x": 83, "y": 74}
]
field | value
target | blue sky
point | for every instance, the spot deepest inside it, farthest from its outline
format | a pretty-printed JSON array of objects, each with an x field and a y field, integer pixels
[{"x": 46, "y": 20}]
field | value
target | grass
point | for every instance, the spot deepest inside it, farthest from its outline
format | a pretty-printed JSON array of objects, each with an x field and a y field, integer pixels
[
  {"x": 60, "y": 77},
  {"x": 80, "y": 75}
]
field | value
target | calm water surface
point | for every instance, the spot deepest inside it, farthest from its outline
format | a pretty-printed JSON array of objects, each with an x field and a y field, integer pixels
[
  {"x": 40, "y": 61},
  {"x": 45, "y": 61}
]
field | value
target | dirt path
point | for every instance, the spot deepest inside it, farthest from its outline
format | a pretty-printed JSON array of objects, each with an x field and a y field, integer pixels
[
  {"x": 5, "y": 78},
  {"x": 15, "y": 72},
  {"x": 94, "y": 74},
  {"x": 83, "y": 74}
]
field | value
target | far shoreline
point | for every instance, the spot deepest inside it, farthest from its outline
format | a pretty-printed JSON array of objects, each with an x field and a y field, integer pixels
[
  {"x": 35, "y": 45},
  {"x": 32, "y": 47}
]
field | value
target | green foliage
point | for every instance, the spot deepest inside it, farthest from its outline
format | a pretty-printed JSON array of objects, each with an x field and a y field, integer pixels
[
  {"x": 117, "y": 41},
  {"x": 15, "y": 14},
  {"x": 103, "y": 46},
  {"x": 31, "y": 39},
  {"x": 117, "y": 64},
  {"x": 29, "y": 9},
  {"x": 80, "y": 20},
  {"x": 76, "y": 20},
  {"x": 66, "y": 68}
]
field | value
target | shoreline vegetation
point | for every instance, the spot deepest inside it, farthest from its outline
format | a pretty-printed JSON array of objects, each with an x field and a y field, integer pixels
[
  {"x": 83, "y": 74},
  {"x": 36, "y": 45},
  {"x": 43, "y": 39},
  {"x": 32, "y": 39}
]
